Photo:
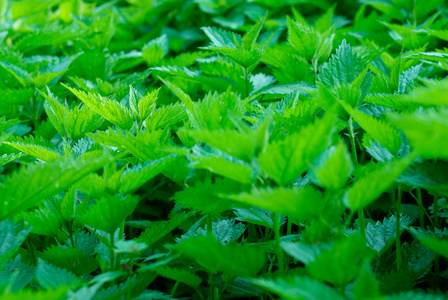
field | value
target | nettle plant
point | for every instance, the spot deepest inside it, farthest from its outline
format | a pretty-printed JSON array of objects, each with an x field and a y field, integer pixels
[{"x": 223, "y": 149}]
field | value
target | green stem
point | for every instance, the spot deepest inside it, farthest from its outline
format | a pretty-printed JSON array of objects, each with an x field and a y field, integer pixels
[
  {"x": 397, "y": 228},
  {"x": 111, "y": 252},
  {"x": 209, "y": 225},
  {"x": 246, "y": 81},
  {"x": 314, "y": 63},
  {"x": 352, "y": 142},
  {"x": 211, "y": 286},
  {"x": 200, "y": 293},
  {"x": 280, "y": 255},
  {"x": 362, "y": 224},
  {"x": 175, "y": 288},
  {"x": 421, "y": 212},
  {"x": 436, "y": 211},
  {"x": 120, "y": 237},
  {"x": 30, "y": 249}
]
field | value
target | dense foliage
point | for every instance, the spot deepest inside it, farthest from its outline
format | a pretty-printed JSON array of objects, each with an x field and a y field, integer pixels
[{"x": 213, "y": 149}]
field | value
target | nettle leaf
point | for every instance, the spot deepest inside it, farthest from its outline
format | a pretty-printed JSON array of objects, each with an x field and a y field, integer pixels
[
  {"x": 159, "y": 230},
  {"x": 7, "y": 158},
  {"x": 222, "y": 164},
  {"x": 332, "y": 168},
  {"x": 108, "y": 212},
  {"x": 207, "y": 197},
  {"x": 308, "y": 41},
  {"x": 287, "y": 201},
  {"x": 71, "y": 123},
  {"x": 5, "y": 124},
  {"x": 142, "y": 105},
  {"x": 234, "y": 260},
  {"x": 165, "y": 116},
  {"x": 12, "y": 235},
  {"x": 111, "y": 110},
  {"x": 179, "y": 275},
  {"x": 221, "y": 38},
  {"x": 285, "y": 160},
  {"x": 381, "y": 131},
  {"x": 305, "y": 253},
  {"x": 212, "y": 112},
  {"x": 434, "y": 93},
  {"x": 297, "y": 287},
  {"x": 52, "y": 277},
  {"x": 224, "y": 231},
  {"x": 154, "y": 51},
  {"x": 369, "y": 187},
  {"x": 366, "y": 285},
  {"x": 432, "y": 241},
  {"x": 406, "y": 80},
  {"x": 424, "y": 130},
  {"x": 380, "y": 236},
  {"x": 133, "y": 178},
  {"x": 343, "y": 67},
  {"x": 38, "y": 151},
  {"x": 339, "y": 265},
  {"x": 70, "y": 258},
  {"x": 29, "y": 186},
  {"x": 17, "y": 274},
  {"x": 254, "y": 215}
]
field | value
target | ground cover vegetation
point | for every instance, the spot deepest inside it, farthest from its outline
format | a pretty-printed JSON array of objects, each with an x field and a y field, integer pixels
[{"x": 212, "y": 149}]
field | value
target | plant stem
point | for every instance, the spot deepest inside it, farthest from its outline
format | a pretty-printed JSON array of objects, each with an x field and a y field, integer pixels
[
  {"x": 362, "y": 224},
  {"x": 111, "y": 252},
  {"x": 30, "y": 249},
  {"x": 211, "y": 286},
  {"x": 120, "y": 237},
  {"x": 397, "y": 228},
  {"x": 280, "y": 256},
  {"x": 436, "y": 211},
  {"x": 175, "y": 288},
  {"x": 352, "y": 142},
  {"x": 209, "y": 225},
  {"x": 246, "y": 81},
  {"x": 420, "y": 208}
]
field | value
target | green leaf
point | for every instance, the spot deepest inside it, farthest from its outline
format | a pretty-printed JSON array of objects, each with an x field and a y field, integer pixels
[
  {"x": 166, "y": 116},
  {"x": 285, "y": 160},
  {"x": 222, "y": 164},
  {"x": 295, "y": 287},
  {"x": 234, "y": 260},
  {"x": 366, "y": 285},
  {"x": 287, "y": 201},
  {"x": 108, "y": 212},
  {"x": 436, "y": 244},
  {"x": 29, "y": 186},
  {"x": 343, "y": 68},
  {"x": 333, "y": 168},
  {"x": 381, "y": 131},
  {"x": 7, "y": 158},
  {"x": 111, "y": 110},
  {"x": 52, "y": 277},
  {"x": 133, "y": 178},
  {"x": 207, "y": 197},
  {"x": 183, "y": 276},
  {"x": 158, "y": 230},
  {"x": 11, "y": 237},
  {"x": 16, "y": 274},
  {"x": 155, "y": 50},
  {"x": 38, "y": 151},
  {"x": 425, "y": 130},
  {"x": 369, "y": 187},
  {"x": 340, "y": 264},
  {"x": 71, "y": 123}
]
